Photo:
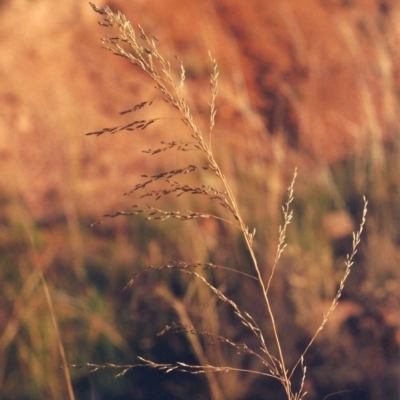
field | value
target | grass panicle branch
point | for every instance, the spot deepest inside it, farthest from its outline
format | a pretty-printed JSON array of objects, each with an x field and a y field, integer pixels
[
  {"x": 348, "y": 264},
  {"x": 183, "y": 265}
]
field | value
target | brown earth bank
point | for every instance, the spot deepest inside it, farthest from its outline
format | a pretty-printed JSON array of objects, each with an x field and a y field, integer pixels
[{"x": 322, "y": 75}]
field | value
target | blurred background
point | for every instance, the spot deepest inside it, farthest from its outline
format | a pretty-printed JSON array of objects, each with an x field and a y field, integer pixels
[{"x": 312, "y": 83}]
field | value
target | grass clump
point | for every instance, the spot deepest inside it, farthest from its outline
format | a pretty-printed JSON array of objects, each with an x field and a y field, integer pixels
[{"x": 265, "y": 345}]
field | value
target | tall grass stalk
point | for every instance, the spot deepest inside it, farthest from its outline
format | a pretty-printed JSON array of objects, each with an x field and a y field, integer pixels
[
  {"x": 141, "y": 50},
  {"x": 42, "y": 334},
  {"x": 60, "y": 344}
]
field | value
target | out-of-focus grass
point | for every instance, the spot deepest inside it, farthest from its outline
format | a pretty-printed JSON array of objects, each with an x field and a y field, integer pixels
[{"x": 30, "y": 361}]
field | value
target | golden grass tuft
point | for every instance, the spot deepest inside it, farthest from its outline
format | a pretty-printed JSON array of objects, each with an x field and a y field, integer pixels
[{"x": 141, "y": 50}]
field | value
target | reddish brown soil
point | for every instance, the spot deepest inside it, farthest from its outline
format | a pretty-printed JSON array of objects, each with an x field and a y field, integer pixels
[{"x": 322, "y": 74}]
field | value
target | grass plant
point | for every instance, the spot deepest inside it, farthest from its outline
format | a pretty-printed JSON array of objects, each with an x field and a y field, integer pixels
[{"x": 265, "y": 347}]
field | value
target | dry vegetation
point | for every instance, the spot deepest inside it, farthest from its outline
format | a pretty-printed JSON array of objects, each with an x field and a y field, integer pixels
[{"x": 285, "y": 98}]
